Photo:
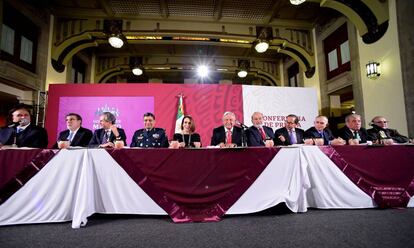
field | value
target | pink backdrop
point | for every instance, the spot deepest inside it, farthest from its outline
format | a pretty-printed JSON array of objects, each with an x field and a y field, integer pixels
[{"x": 205, "y": 103}]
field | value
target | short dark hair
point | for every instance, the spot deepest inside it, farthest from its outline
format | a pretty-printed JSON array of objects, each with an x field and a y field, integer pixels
[
  {"x": 294, "y": 116},
  {"x": 20, "y": 106},
  {"x": 149, "y": 114},
  {"x": 78, "y": 117},
  {"x": 17, "y": 107},
  {"x": 109, "y": 117}
]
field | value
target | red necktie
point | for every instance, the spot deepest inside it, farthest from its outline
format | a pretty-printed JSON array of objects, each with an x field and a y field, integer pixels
[
  {"x": 262, "y": 133},
  {"x": 228, "y": 139}
]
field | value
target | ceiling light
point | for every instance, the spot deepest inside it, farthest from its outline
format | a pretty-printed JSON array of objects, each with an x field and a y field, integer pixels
[
  {"x": 244, "y": 67},
  {"x": 137, "y": 71},
  {"x": 242, "y": 74},
  {"x": 297, "y": 2},
  {"x": 202, "y": 71},
  {"x": 261, "y": 46},
  {"x": 116, "y": 41}
]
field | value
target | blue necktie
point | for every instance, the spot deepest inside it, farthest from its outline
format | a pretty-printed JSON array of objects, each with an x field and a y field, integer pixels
[
  {"x": 292, "y": 136},
  {"x": 70, "y": 136}
]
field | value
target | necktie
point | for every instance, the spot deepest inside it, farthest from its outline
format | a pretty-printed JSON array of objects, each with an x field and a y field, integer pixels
[
  {"x": 356, "y": 135},
  {"x": 228, "y": 138},
  {"x": 106, "y": 137},
  {"x": 19, "y": 129},
  {"x": 262, "y": 133},
  {"x": 292, "y": 136},
  {"x": 70, "y": 137}
]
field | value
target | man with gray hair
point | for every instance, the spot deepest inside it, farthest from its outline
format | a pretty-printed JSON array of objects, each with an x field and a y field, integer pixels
[
  {"x": 108, "y": 134},
  {"x": 353, "y": 133},
  {"x": 320, "y": 134},
  {"x": 258, "y": 134},
  {"x": 227, "y": 135}
]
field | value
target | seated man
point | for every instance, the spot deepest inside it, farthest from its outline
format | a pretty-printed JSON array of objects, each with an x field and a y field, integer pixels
[
  {"x": 380, "y": 133},
  {"x": 353, "y": 133},
  {"x": 259, "y": 135},
  {"x": 22, "y": 132},
  {"x": 149, "y": 136},
  {"x": 320, "y": 134},
  {"x": 76, "y": 135},
  {"x": 227, "y": 135},
  {"x": 108, "y": 134},
  {"x": 290, "y": 134}
]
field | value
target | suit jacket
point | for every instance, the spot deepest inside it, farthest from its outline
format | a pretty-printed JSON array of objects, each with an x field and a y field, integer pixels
[
  {"x": 284, "y": 132},
  {"x": 82, "y": 137},
  {"x": 312, "y": 133},
  {"x": 155, "y": 137},
  {"x": 346, "y": 134},
  {"x": 219, "y": 136},
  {"x": 254, "y": 138},
  {"x": 390, "y": 133},
  {"x": 98, "y": 136},
  {"x": 32, "y": 136}
]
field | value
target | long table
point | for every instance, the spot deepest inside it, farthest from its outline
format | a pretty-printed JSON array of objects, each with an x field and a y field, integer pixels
[{"x": 39, "y": 186}]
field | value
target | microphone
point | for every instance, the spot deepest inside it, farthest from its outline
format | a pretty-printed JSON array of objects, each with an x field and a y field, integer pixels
[
  {"x": 14, "y": 124},
  {"x": 22, "y": 122},
  {"x": 241, "y": 124}
]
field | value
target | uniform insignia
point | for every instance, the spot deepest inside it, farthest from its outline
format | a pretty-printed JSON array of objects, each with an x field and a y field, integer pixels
[{"x": 156, "y": 136}]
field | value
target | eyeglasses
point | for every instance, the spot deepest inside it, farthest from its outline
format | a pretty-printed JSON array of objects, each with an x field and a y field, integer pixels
[{"x": 385, "y": 122}]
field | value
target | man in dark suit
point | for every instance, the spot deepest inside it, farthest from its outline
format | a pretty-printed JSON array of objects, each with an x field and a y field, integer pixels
[
  {"x": 22, "y": 132},
  {"x": 109, "y": 133},
  {"x": 290, "y": 134},
  {"x": 320, "y": 134},
  {"x": 149, "y": 136},
  {"x": 381, "y": 134},
  {"x": 259, "y": 135},
  {"x": 353, "y": 133},
  {"x": 227, "y": 135},
  {"x": 75, "y": 135}
]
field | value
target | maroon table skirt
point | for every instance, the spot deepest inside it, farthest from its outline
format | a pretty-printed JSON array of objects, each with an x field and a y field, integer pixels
[
  {"x": 197, "y": 184},
  {"x": 386, "y": 173},
  {"x": 17, "y": 166}
]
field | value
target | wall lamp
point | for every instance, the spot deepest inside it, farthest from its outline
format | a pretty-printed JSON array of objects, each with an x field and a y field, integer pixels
[
  {"x": 135, "y": 63},
  {"x": 373, "y": 70},
  {"x": 113, "y": 28},
  {"x": 263, "y": 35},
  {"x": 243, "y": 68}
]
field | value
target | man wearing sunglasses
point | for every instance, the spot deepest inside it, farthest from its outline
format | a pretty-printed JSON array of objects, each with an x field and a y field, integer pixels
[{"x": 381, "y": 134}]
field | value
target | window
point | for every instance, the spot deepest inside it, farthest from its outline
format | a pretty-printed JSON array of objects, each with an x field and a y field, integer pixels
[
  {"x": 18, "y": 39},
  {"x": 78, "y": 71},
  {"x": 337, "y": 56},
  {"x": 293, "y": 72},
  {"x": 7, "y": 39}
]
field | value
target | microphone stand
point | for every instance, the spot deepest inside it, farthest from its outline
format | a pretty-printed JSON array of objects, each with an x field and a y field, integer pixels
[
  {"x": 243, "y": 133},
  {"x": 14, "y": 133}
]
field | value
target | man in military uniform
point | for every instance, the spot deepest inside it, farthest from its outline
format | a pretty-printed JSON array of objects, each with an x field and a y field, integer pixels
[{"x": 149, "y": 136}]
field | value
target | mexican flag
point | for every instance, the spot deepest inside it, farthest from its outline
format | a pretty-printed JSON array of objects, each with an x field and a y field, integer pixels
[{"x": 180, "y": 114}]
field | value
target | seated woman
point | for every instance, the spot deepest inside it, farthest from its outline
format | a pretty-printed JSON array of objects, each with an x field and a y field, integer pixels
[{"x": 187, "y": 137}]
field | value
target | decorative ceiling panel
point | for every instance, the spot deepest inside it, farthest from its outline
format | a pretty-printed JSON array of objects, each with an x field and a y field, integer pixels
[
  {"x": 131, "y": 7},
  {"x": 252, "y": 10},
  {"x": 202, "y": 8}
]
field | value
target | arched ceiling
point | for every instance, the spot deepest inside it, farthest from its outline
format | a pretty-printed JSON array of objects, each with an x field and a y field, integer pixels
[{"x": 170, "y": 33}]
